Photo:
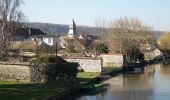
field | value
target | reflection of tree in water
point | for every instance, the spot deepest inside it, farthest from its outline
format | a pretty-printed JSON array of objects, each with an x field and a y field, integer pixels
[
  {"x": 137, "y": 81},
  {"x": 165, "y": 71},
  {"x": 147, "y": 85}
]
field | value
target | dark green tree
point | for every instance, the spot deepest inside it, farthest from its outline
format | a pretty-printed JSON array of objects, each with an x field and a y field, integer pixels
[
  {"x": 101, "y": 48},
  {"x": 70, "y": 48}
]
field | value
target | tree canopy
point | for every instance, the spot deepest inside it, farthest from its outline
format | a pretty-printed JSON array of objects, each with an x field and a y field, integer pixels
[{"x": 164, "y": 42}]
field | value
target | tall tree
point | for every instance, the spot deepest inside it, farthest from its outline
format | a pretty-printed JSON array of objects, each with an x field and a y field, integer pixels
[
  {"x": 164, "y": 42},
  {"x": 11, "y": 16},
  {"x": 129, "y": 34}
]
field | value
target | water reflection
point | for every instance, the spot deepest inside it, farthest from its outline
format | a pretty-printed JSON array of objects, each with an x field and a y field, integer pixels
[{"x": 153, "y": 83}]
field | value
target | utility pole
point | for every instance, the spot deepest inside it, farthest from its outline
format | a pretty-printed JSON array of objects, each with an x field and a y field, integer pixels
[{"x": 56, "y": 48}]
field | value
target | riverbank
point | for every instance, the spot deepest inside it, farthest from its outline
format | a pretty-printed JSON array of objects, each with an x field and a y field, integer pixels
[
  {"x": 47, "y": 91},
  {"x": 20, "y": 91},
  {"x": 56, "y": 90},
  {"x": 152, "y": 83},
  {"x": 94, "y": 78}
]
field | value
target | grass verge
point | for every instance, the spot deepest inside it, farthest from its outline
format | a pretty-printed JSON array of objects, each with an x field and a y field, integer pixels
[
  {"x": 11, "y": 90},
  {"x": 83, "y": 77},
  {"x": 19, "y": 91}
]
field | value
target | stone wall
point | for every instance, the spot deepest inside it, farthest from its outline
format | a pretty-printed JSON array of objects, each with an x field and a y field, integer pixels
[
  {"x": 115, "y": 60},
  {"x": 18, "y": 73},
  {"x": 88, "y": 64}
]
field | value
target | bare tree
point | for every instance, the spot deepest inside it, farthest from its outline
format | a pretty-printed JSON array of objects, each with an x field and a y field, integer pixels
[
  {"x": 101, "y": 27},
  {"x": 128, "y": 34},
  {"x": 11, "y": 16}
]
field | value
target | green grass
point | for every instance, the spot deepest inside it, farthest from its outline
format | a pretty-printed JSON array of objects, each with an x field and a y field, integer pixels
[
  {"x": 19, "y": 91},
  {"x": 7, "y": 82},
  {"x": 108, "y": 69},
  {"x": 11, "y": 90},
  {"x": 83, "y": 77}
]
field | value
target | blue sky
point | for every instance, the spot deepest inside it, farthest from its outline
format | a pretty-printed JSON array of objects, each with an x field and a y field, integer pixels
[{"x": 153, "y": 12}]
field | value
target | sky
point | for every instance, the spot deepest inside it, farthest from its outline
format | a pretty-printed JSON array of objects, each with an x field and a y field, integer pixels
[{"x": 155, "y": 13}]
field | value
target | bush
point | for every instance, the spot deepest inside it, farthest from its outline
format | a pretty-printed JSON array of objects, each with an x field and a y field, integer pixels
[
  {"x": 101, "y": 48},
  {"x": 50, "y": 68},
  {"x": 48, "y": 59},
  {"x": 70, "y": 48}
]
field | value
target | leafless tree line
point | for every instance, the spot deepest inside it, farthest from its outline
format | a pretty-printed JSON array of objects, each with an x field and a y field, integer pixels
[
  {"x": 10, "y": 16},
  {"x": 126, "y": 35}
]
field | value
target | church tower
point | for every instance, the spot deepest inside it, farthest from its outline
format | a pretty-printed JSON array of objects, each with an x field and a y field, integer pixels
[{"x": 72, "y": 30}]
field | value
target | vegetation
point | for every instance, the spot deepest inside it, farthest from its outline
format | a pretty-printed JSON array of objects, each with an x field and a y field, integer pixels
[
  {"x": 70, "y": 48},
  {"x": 108, "y": 69},
  {"x": 101, "y": 48},
  {"x": 38, "y": 91},
  {"x": 83, "y": 77},
  {"x": 164, "y": 43},
  {"x": 10, "y": 91},
  {"x": 6, "y": 82},
  {"x": 50, "y": 68},
  {"x": 127, "y": 35},
  {"x": 11, "y": 16}
]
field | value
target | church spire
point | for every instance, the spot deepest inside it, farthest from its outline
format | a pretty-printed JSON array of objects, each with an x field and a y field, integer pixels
[{"x": 72, "y": 30}]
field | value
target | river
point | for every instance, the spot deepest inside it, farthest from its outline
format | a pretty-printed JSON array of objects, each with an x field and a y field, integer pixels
[{"x": 152, "y": 83}]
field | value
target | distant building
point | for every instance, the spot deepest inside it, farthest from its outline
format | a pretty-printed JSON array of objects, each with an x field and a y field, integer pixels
[
  {"x": 47, "y": 39},
  {"x": 152, "y": 54},
  {"x": 80, "y": 41},
  {"x": 72, "y": 30},
  {"x": 32, "y": 34}
]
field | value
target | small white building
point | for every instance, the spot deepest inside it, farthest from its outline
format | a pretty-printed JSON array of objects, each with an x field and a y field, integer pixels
[{"x": 48, "y": 39}]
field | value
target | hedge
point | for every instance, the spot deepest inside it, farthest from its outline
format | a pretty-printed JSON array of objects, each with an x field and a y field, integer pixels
[{"x": 51, "y": 68}]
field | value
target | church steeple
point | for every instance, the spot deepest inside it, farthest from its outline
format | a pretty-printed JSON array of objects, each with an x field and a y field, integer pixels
[{"x": 72, "y": 30}]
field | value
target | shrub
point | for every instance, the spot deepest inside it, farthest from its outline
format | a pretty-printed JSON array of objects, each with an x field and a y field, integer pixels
[
  {"x": 101, "y": 48},
  {"x": 48, "y": 59},
  {"x": 50, "y": 68},
  {"x": 70, "y": 48}
]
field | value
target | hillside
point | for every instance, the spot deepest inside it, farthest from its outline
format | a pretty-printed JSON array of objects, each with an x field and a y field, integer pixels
[
  {"x": 157, "y": 34},
  {"x": 57, "y": 29},
  {"x": 60, "y": 29}
]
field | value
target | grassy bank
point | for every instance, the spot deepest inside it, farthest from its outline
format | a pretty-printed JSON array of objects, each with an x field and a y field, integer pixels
[
  {"x": 84, "y": 77},
  {"x": 12, "y": 90},
  {"x": 7, "y": 82}
]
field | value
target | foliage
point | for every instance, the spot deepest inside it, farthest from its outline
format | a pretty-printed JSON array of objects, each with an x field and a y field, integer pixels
[
  {"x": 48, "y": 59},
  {"x": 50, "y": 68},
  {"x": 83, "y": 77},
  {"x": 101, "y": 48},
  {"x": 20, "y": 91},
  {"x": 127, "y": 35},
  {"x": 11, "y": 16},
  {"x": 70, "y": 48},
  {"x": 164, "y": 43}
]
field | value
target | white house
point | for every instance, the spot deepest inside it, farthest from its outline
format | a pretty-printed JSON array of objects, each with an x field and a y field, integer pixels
[
  {"x": 33, "y": 34},
  {"x": 48, "y": 39}
]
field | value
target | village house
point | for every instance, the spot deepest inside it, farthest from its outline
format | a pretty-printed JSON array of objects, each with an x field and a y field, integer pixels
[
  {"x": 80, "y": 41},
  {"x": 152, "y": 54},
  {"x": 32, "y": 34}
]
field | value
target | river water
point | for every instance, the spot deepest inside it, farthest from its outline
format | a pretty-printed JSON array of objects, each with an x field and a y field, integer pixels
[{"x": 152, "y": 83}]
